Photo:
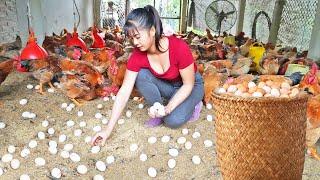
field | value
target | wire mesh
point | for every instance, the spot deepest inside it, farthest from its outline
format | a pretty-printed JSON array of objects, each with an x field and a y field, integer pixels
[
  {"x": 297, "y": 22},
  {"x": 112, "y": 13}
]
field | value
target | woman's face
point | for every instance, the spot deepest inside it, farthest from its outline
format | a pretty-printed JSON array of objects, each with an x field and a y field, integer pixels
[{"x": 143, "y": 39}]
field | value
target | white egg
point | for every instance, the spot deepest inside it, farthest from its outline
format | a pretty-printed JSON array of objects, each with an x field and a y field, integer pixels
[
  {"x": 33, "y": 144},
  {"x": 40, "y": 161},
  {"x": 75, "y": 157},
  {"x": 56, "y": 173},
  {"x": 96, "y": 128},
  {"x": 110, "y": 159},
  {"x": 1, "y": 171},
  {"x": 257, "y": 94},
  {"x": 209, "y": 106},
  {"x": 165, "y": 139},
  {"x": 275, "y": 92},
  {"x": 99, "y": 106},
  {"x": 72, "y": 105},
  {"x": 209, "y": 118},
  {"x": 181, "y": 140},
  {"x": 161, "y": 112},
  {"x": 98, "y": 177},
  {"x": 208, "y": 143},
  {"x": 238, "y": 93},
  {"x": 29, "y": 86},
  {"x": 23, "y": 101},
  {"x": 24, "y": 177},
  {"x": 157, "y": 105},
  {"x": 113, "y": 98},
  {"x": 51, "y": 131},
  {"x": 69, "y": 108},
  {"x": 232, "y": 89},
  {"x": 104, "y": 121},
  {"x": 128, "y": 114},
  {"x": 32, "y": 116},
  {"x": 11, "y": 149},
  {"x": 56, "y": 84},
  {"x": 82, "y": 169},
  {"x": 62, "y": 138},
  {"x": 2, "y": 125},
  {"x": 41, "y": 135},
  {"x": 196, "y": 159},
  {"x": 251, "y": 85},
  {"x": 64, "y": 105},
  {"x": 184, "y": 131},
  {"x": 50, "y": 90},
  {"x": 25, "y": 114},
  {"x": 173, "y": 152},
  {"x": 68, "y": 147},
  {"x": 196, "y": 135},
  {"x": 45, "y": 123},
  {"x": 53, "y": 150},
  {"x": 285, "y": 85},
  {"x": 106, "y": 99},
  {"x": 95, "y": 149},
  {"x": 143, "y": 157},
  {"x": 121, "y": 121},
  {"x": 101, "y": 166},
  {"x": 87, "y": 139},
  {"x": 188, "y": 145},
  {"x": 65, "y": 154},
  {"x": 15, "y": 164},
  {"x": 221, "y": 91},
  {"x": 267, "y": 89},
  {"x": 98, "y": 115},
  {"x": 133, "y": 147},
  {"x": 172, "y": 163},
  {"x": 77, "y": 132},
  {"x": 153, "y": 110},
  {"x": 70, "y": 123},
  {"x": 140, "y": 106},
  {"x": 6, "y": 158},
  {"x": 80, "y": 113},
  {"x": 25, "y": 152},
  {"x": 152, "y": 172},
  {"x": 82, "y": 124},
  {"x": 135, "y": 98},
  {"x": 53, "y": 144},
  {"x": 152, "y": 140},
  {"x": 37, "y": 87}
]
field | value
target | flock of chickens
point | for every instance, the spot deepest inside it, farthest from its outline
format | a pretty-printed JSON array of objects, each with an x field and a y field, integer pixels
[{"x": 87, "y": 74}]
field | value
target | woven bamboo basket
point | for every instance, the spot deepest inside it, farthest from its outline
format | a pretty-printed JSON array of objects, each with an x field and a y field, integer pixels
[{"x": 260, "y": 138}]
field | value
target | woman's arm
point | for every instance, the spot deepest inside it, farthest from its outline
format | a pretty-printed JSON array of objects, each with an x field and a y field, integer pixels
[
  {"x": 118, "y": 106},
  {"x": 188, "y": 78}
]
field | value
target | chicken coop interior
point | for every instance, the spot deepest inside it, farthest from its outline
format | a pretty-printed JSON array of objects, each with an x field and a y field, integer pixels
[{"x": 63, "y": 63}]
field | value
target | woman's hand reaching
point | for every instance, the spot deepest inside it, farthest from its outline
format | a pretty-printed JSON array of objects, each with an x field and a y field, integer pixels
[{"x": 100, "y": 138}]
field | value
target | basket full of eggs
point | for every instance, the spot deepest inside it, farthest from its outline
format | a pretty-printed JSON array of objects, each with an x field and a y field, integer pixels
[{"x": 260, "y": 128}]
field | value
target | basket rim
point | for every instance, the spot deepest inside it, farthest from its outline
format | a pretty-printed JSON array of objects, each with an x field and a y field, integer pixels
[{"x": 300, "y": 96}]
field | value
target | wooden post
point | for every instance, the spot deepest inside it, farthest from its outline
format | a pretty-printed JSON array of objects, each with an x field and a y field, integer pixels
[
  {"x": 127, "y": 8},
  {"x": 183, "y": 15},
  {"x": 242, "y": 8},
  {"x": 314, "y": 46},
  {"x": 97, "y": 12},
  {"x": 276, "y": 19}
]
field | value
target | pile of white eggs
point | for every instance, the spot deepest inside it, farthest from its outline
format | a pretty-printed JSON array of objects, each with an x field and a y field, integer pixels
[
  {"x": 261, "y": 89},
  {"x": 157, "y": 109}
]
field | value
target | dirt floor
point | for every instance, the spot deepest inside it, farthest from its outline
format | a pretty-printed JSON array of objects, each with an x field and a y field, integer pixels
[{"x": 127, "y": 165}]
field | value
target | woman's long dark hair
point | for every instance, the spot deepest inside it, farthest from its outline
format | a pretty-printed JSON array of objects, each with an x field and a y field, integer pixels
[{"x": 144, "y": 18}]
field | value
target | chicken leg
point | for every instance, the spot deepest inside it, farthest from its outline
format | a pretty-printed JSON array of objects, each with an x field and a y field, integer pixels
[
  {"x": 78, "y": 103},
  {"x": 40, "y": 91},
  {"x": 51, "y": 86}
]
